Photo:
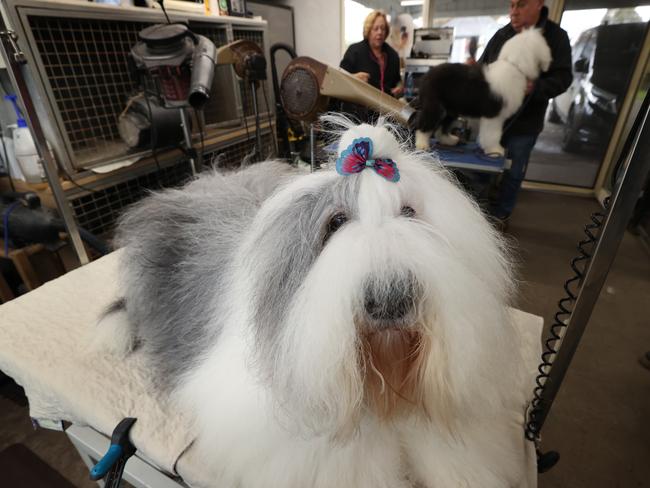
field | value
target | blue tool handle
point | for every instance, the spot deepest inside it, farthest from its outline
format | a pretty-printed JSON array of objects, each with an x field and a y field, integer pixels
[{"x": 106, "y": 463}]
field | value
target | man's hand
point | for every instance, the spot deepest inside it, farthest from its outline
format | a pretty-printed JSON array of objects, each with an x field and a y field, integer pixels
[
  {"x": 363, "y": 76},
  {"x": 397, "y": 91},
  {"x": 530, "y": 86}
]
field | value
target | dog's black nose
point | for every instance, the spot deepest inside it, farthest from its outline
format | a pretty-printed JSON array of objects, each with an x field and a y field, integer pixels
[{"x": 390, "y": 302}]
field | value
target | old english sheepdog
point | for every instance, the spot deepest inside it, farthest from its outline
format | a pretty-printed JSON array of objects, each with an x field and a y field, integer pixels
[
  {"x": 493, "y": 92},
  {"x": 346, "y": 328}
]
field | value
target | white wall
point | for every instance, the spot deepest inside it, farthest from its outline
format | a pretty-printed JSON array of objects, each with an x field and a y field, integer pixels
[{"x": 318, "y": 29}]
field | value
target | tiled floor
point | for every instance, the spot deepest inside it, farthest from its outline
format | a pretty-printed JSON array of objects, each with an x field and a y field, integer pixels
[{"x": 599, "y": 422}]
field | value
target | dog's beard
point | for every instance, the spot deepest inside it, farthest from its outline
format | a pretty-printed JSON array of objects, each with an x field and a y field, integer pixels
[{"x": 393, "y": 364}]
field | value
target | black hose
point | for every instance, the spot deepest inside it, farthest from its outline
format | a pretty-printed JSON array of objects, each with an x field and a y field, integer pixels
[
  {"x": 99, "y": 245},
  {"x": 282, "y": 123},
  {"x": 274, "y": 71}
]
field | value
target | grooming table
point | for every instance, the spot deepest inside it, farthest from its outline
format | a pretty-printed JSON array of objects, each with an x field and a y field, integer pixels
[
  {"x": 469, "y": 157},
  {"x": 44, "y": 345},
  {"x": 465, "y": 156}
]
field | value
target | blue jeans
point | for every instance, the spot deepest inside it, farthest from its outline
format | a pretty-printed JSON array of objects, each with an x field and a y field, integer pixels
[{"x": 518, "y": 149}]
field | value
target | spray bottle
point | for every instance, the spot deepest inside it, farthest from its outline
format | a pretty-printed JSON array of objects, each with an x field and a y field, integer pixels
[{"x": 24, "y": 148}]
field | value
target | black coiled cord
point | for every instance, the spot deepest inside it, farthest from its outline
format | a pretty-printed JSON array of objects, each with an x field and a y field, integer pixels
[
  {"x": 593, "y": 232},
  {"x": 565, "y": 307},
  {"x": 546, "y": 461}
]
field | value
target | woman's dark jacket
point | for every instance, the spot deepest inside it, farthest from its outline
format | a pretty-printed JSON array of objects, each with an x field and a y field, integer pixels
[{"x": 359, "y": 57}]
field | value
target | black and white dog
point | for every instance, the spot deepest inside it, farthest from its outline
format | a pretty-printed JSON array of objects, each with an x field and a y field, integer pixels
[{"x": 492, "y": 92}]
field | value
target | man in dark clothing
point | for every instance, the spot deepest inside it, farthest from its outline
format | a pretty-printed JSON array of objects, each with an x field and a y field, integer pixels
[{"x": 521, "y": 131}]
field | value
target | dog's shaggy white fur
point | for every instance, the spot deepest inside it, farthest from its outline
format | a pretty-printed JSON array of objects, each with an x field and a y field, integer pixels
[
  {"x": 330, "y": 331},
  {"x": 523, "y": 57}
]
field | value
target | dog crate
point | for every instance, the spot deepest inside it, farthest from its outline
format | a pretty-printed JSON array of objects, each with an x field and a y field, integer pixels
[{"x": 77, "y": 66}]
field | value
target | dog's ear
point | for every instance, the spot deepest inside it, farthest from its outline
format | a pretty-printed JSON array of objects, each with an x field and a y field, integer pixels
[
  {"x": 545, "y": 54},
  {"x": 546, "y": 59}
]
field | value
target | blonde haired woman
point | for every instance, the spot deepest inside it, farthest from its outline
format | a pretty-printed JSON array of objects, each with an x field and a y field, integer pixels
[{"x": 373, "y": 60}]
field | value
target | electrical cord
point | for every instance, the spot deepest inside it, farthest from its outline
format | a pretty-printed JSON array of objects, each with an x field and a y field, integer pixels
[
  {"x": 162, "y": 6},
  {"x": 268, "y": 113},
  {"x": 552, "y": 344},
  {"x": 249, "y": 157},
  {"x": 258, "y": 130},
  {"x": 69, "y": 178},
  {"x": 200, "y": 117},
  {"x": 565, "y": 307},
  {"x": 153, "y": 139}
]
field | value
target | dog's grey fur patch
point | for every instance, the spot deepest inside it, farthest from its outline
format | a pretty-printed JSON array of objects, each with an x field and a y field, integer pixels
[
  {"x": 287, "y": 247},
  {"x": 178, "y": 249}
]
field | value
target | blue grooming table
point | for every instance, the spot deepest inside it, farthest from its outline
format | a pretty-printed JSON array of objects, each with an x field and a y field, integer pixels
[
  {"x": 470, "y": 157},
  {"x": 464, "y": 156}
]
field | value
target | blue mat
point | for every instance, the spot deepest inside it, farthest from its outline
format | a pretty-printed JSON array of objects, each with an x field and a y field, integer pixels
[{"x": 468, "y": 156}]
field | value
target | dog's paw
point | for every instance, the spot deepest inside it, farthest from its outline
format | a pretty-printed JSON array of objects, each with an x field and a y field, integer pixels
[
  {"x": 495, "y": 151},
  {"x": 448, "y": 139}
]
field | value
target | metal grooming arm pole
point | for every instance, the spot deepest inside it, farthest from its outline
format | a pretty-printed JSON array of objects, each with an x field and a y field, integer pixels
[
  {"x": 14, "y": 60},
  {"x": 636, "y": 167}
]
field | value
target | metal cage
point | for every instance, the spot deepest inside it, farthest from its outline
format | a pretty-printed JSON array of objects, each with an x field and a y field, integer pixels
[
  {"x": 97, "y": 210},
  {"x": 80, "y": 78}
]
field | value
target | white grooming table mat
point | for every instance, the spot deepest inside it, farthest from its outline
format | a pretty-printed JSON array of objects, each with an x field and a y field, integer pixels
[
  {"x": 44, "y": 346},
  {"x": 45, "y": 337}
]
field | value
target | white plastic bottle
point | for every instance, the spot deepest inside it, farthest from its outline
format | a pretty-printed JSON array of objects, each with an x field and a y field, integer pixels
[
  {"x": 25, "y": 150},
  {"x": 9, "y": 154}
]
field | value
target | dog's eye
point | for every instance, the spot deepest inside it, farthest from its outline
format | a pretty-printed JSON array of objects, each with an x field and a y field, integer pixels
[
  {"x": 408, "y": 212},
  {"x": 335, "y": 223}
]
